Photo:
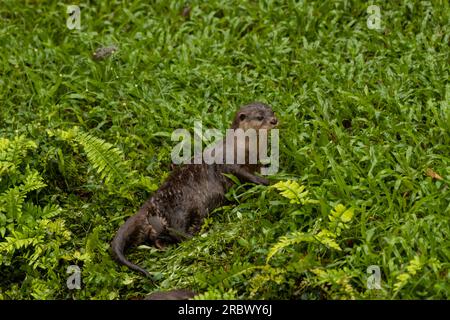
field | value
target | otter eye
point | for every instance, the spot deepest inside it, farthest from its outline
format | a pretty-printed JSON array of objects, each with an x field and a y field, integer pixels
[{"x": 242, "y": 116}]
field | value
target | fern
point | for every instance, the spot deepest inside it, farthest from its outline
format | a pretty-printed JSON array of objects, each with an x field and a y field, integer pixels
[
  {"x": 339, "y": 280},
  {"x": 11, "y": 201},
  {"x": 413, "y": 267},
  {"x": 42, "y": 290},
  {"x": 340, "y": 218},
  {"x": 215, "y": 294},
  {"x": 222, "y": 276},
  {"x": 47, "y": 212},
  {"x": 13, "y": 152},
  {"x": 294, "y": 192},
  {"x": 264, "y": 277},
  {"x": 326, "y": 238},
  {"x": 106, "y": 159},
  {"x": 14, "y": 243},
  {"x": 26, "y": 233},
  {"x": 31, "y": 241},
  {"x": 289, "y": 240}
]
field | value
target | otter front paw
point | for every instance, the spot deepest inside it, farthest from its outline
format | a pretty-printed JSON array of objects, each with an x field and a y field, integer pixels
[{"x": 263, "y": 181}]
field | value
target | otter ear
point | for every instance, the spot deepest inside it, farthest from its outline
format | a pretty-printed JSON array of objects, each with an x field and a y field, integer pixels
[{"x": 242, "y": 116}]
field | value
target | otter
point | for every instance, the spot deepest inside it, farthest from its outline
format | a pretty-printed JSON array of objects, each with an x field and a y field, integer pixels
[
  {"x": 175, "y": 212},
  {"x": 171, "y": 295}
]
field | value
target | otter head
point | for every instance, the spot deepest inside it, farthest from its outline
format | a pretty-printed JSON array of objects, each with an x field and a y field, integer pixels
[{"x": 256, "y": 115}]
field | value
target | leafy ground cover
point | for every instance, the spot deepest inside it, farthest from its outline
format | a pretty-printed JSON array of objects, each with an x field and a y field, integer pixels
[{"x": 364, "y": 146}]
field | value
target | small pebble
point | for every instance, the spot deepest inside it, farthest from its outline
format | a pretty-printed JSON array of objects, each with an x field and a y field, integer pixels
[{"x": 186, "y": 12}]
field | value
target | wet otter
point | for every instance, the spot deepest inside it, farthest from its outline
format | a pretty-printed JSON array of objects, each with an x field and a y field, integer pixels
[
  {"x": 171, "y": 295},
  {"x": 177, "y": 209}
]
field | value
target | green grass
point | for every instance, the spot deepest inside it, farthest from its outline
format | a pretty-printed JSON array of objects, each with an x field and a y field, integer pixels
[{"x": 363, "y": 115}]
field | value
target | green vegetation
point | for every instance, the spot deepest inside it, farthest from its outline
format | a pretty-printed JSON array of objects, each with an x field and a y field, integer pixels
[{"x": 364, "y": 146}]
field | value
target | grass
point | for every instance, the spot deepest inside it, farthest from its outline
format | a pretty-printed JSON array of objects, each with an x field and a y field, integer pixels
[{"x": 364, "y": 116}]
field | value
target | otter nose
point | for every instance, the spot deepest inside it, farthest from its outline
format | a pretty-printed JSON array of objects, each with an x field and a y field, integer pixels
[{"x": 274, "y": 121}]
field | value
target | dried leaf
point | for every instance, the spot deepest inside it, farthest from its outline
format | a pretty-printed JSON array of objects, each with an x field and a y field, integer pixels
[{"x": 431, "y": 173}]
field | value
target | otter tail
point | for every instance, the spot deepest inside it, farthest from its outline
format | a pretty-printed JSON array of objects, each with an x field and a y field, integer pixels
[{"x": 133, "y": 231}]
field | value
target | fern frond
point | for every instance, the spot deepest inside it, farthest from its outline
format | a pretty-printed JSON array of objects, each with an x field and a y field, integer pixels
[
  {"x": 222, "y": 276},
  {"x": 293, "y": 191},
  {"x": 41, "y": 289},
  {"x": 37, "y": 212},
  {"x": 215, "y": 294},
  {"x": 338, "y": 278},
  {"x": 342, "y": 213},
  {"x": 413, "y": 267},
  {"x": 106, "y": 159},
  {"x": 286, "y": 241},
  {"x": 56, "y": 228},
  {"x": 13, "y": 243},
  {"x": 33, "y": 181},
  {"x": 12, "y": 152},
  {"x": 340, "y": 218},
  {"x": 11, "y": 200},
  {"x": 268, "y": 274},
  {"x": 326, "y": 238}
]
